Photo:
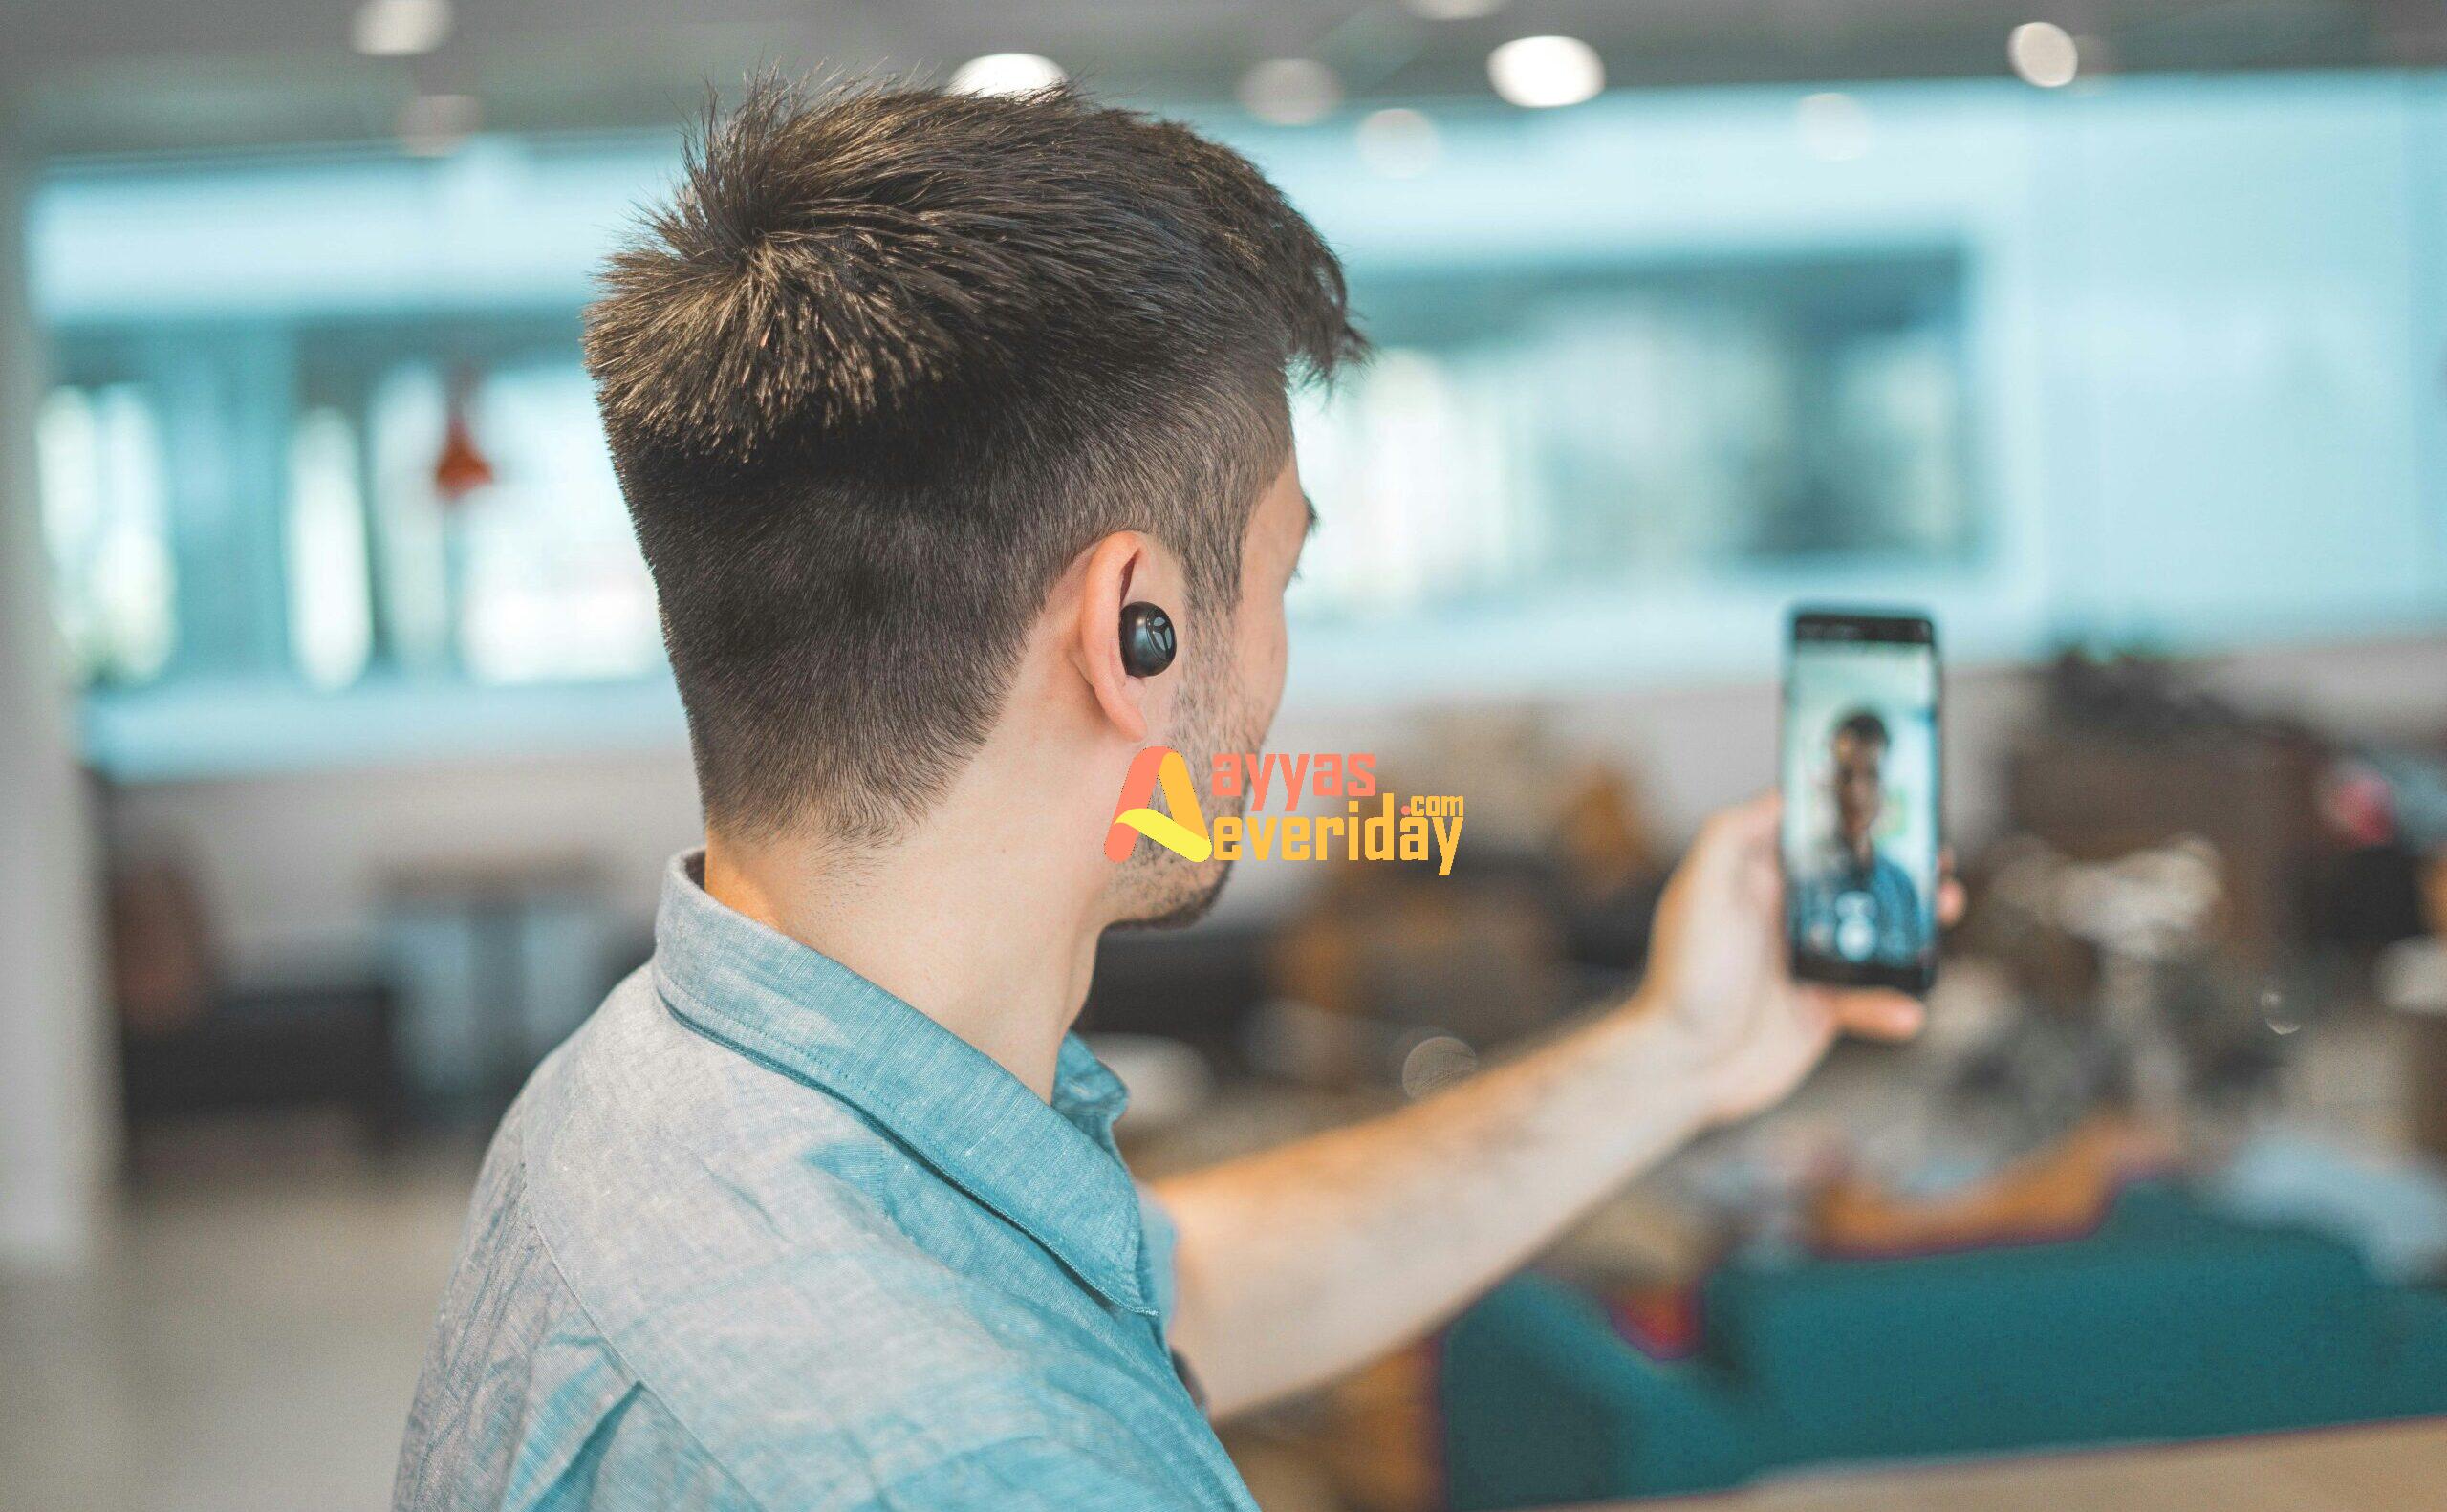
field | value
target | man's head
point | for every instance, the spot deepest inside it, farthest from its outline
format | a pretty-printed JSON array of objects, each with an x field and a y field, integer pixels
[
  {"x": 893, "y": 365},
  {"x": 1858, "y": 746}
]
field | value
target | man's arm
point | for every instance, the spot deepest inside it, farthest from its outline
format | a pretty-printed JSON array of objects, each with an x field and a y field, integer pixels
[{"x": 1303, "y": 1262}]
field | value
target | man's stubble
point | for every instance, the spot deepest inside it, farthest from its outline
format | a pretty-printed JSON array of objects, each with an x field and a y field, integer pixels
[{"x": 1163, "y": 890}]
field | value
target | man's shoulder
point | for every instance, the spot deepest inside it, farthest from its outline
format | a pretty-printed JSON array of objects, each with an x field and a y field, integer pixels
[
  {"x": 657, "y": 1160},
  {"x": 523, "y": 1402},
  {"x": 636, "y": 1083},
  {"x": 667, "y": 1226},
  {"x": 521, "y": 1390}
]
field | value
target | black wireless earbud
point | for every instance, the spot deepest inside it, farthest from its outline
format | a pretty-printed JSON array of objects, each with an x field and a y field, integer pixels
[{"x": 1147, "y": 641}]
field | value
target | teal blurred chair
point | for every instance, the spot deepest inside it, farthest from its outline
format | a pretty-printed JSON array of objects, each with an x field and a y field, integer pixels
[{"x": 2167, "y": 1322}]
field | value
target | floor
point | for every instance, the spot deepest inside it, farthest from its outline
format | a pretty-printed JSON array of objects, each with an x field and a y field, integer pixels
[
  {"x": 250, "y": 1342},
  {"x": 2394, "y": 1467}
]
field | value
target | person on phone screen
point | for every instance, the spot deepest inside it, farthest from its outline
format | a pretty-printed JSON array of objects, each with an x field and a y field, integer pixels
[{"x": 1854, "y": 903}]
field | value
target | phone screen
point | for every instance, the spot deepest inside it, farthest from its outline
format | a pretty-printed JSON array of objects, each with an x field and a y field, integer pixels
[{"x": 1861, "y": 782}]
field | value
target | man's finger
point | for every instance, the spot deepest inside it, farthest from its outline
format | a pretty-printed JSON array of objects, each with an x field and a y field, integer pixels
[
  {"x": 1875, "y": 1015},
  {"x": 1950, "y": 894},
  {"x": 1750, "y": 823}
]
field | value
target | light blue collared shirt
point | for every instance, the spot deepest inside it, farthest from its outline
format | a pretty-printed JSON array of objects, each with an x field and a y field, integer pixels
[
  {"x": 762, "y": 1234},
  {"x": 1860, "y": 913}
]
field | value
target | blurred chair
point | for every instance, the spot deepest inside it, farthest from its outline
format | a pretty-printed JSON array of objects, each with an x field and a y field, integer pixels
[
  {"x": 192, "y": 1043},
  {"x": 2098, "y": 797}
]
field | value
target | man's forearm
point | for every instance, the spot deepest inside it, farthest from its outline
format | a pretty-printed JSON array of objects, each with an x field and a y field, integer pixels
[{"x": 1304, "y": 1261}]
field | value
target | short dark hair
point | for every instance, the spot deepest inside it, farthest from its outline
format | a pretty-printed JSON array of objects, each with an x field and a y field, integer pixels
[
  {"x": 888, "y": 362},
  {"x": 1863, "y": 725}
]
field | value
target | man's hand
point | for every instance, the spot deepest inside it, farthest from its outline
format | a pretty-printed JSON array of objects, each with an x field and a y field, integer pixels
[{"x": 1717, "y": 971}]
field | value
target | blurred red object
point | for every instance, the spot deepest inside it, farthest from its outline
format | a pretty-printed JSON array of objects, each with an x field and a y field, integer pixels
[
  {"x": 462, "y": 468},
  {"x": 2358, "y": 804}
]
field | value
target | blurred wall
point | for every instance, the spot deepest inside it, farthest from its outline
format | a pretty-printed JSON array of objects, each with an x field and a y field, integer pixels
[
  {"x": 52, "y": 1141},
  {"x": 294, "y": 866}
]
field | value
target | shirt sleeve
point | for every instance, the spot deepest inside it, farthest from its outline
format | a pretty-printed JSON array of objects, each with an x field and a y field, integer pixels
[{"x": 635, "y": 1458}]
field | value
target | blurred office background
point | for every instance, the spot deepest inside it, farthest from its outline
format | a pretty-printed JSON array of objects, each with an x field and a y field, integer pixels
[{"x": 338, "y": 760}]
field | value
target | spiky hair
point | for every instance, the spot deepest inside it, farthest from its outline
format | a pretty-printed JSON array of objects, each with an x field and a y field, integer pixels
[{"x": 890, "y": 359}]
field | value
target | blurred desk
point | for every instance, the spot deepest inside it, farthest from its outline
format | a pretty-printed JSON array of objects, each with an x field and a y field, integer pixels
[{"x": 2397, "y": 1467}]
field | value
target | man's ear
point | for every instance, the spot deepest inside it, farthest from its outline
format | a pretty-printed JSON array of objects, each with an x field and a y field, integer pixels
[{"x": 1124, "y": 567}]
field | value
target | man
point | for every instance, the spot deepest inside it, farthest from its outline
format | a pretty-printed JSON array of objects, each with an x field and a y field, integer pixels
[
  {"x": 1854, "y": 903},
  {"x": 916, "y": 399}
]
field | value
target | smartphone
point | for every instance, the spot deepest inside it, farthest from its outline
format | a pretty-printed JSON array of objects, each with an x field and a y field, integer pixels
[{"x": 1860, "y": 766}]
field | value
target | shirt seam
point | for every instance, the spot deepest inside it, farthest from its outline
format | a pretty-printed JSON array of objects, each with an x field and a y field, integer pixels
[{"x": 577, "y": 1300}]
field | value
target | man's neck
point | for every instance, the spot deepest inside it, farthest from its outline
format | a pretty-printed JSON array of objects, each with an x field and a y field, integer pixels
[{"x": 977, "y": 921}]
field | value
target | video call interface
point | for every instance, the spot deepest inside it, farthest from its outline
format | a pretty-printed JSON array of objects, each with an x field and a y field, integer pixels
[{"x": 1860, "y": 836}]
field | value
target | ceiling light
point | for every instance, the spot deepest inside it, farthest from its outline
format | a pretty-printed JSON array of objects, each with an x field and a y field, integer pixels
[
  {"x": 1399, "y": 142},
  {"x": 399, "y": 28},
  {"x": 2044, "y": 54},
  {"x": 1005, "y": 74},
  {"x": 1291, "y": 90},
  {"x": 1545, "y": 70}
]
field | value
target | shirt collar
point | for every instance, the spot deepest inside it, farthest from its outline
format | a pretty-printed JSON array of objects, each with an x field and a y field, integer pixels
[{"x": 1050, "y": 1171}]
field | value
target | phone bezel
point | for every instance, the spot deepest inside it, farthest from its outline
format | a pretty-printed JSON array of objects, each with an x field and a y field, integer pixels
[{"x": 1858, "y": 626}]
